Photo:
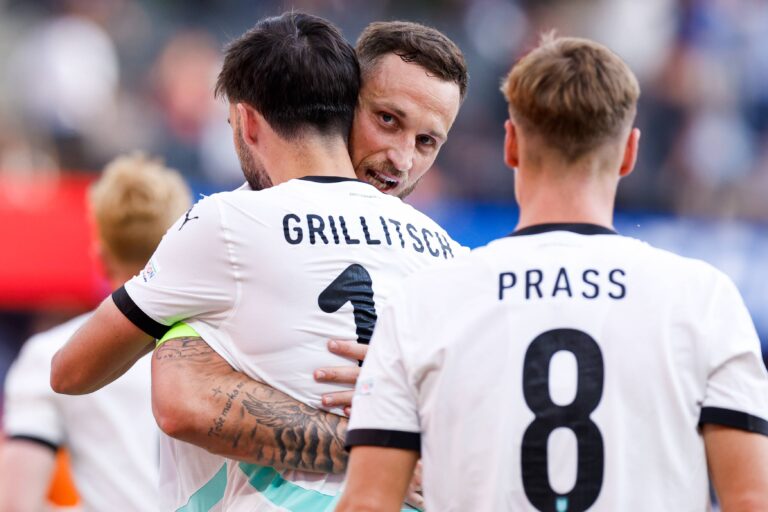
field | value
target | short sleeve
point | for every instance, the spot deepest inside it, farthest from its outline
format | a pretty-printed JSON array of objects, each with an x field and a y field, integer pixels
[
  {"x": 190, "y": 275},
  {"x": 385, "y": 406},
  {"x": 737, "y": 381},
  {"x": 30, "y": 407}
]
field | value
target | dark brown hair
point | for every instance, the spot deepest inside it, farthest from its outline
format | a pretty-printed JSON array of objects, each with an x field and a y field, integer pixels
[
  {"x": 297, "y": 70},
  {"x": 575, "y": 93},
  {"x": 413, "y": 42}
]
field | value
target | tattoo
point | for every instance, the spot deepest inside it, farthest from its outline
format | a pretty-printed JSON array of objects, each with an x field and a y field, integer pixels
[
  {"x": 218, "y": 423},
  {"x": 302, "y": 434},
  {"x": 185, "y": 348},
  {"x": 248, "y": 420}
]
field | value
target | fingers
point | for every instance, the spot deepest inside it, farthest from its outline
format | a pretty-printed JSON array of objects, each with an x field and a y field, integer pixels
[
  {"x": 414, "y": 499},
  {"x": 338, "y": 374},
  {"x": 414, "y": 495},
  {"x": 338, "y": 399},
  {"x": 350, "y": 349}
]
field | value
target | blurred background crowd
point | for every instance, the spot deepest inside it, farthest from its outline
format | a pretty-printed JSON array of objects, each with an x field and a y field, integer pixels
[{"x": 84, "y": 80}]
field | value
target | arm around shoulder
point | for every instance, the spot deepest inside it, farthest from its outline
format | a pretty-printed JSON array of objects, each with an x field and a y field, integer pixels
[{"x": 197, "y": 397}]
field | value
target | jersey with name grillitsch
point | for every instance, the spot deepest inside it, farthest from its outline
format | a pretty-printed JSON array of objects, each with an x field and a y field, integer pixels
[
  {"x": 266, "y": 278},
  {"x": 563, "y": 369}
]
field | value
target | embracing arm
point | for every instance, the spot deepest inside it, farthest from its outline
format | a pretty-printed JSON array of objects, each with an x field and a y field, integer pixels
[
  {"x": 99, "y": 352},
  {"x": 198, "y": 398}
]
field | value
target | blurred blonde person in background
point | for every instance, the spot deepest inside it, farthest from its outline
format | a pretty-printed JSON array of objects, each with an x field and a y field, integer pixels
[{"x": 111, "y": 435}]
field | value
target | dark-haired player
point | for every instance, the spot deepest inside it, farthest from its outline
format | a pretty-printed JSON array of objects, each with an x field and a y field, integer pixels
[{"x": 265, "y": 278}]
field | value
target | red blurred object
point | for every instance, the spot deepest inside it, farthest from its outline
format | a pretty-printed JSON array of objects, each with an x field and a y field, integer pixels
[{"x": 46, "y": 259}]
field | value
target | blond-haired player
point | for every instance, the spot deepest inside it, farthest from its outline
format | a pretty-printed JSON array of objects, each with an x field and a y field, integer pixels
[
  {"x": 603, "y": 374},
  {"x": 111, "y": 435}
]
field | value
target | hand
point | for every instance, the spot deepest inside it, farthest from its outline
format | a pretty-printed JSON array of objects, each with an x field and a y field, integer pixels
[
  {"x": 342, "y": 374},
  {"x": 414, "y": 497}
]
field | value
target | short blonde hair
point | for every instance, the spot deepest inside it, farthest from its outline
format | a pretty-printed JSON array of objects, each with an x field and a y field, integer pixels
[
  {"x": 575, "y": 93},
  {"x": 134, "y": 202}
]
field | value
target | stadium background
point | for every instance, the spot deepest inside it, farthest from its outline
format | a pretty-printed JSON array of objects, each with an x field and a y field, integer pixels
[{"x": 83, "y": 80}]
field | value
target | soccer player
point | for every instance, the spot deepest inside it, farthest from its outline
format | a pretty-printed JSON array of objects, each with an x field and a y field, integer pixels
[
  {"x": 266, "y": 277},
  {"x": 403, "y": 66},
  {"x": 111, "y": 435},
  {"x": 603, "y": 374}
]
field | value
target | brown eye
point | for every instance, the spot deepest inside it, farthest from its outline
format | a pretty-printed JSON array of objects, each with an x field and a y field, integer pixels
[{"x": 425, "y": 140}]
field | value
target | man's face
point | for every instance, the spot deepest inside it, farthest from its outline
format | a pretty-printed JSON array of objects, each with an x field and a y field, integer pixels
[
  {"x": 402, "y": 119},
  {"x": 254, "y": 172}
]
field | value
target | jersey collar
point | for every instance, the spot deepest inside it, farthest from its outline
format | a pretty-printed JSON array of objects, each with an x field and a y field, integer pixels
[
  {"x": 580, "y": 228},
  {"x": 328, "y": 179}
]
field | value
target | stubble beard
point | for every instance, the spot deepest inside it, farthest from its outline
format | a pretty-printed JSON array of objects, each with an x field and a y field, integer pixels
[{"x": 254, "y": 173}]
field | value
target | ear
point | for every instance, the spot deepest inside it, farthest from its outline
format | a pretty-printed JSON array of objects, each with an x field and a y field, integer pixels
[
  {"x": 511, "y": 149},
  {"x": 630, "y": 153},
  {"x": 250, "y": 123}
]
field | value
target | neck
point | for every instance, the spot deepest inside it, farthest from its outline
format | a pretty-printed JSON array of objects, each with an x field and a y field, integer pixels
[
  {"x": 565, "y": 195},
  {"x": 309, "y": 156}
]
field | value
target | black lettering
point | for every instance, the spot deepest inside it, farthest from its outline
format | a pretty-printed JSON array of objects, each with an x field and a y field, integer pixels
[
  {"x": 347, "y": 238},
  {"x": 296, "y": 230},
  {"x": 562, "y": 276},
  {"x": 386, "y": 230},
  {"x": 334, "y": 232},
  {"x": 312, "y": 229},
  {"x": 368, "y": 239},
  {"x": 623, "y": 292},
  {"x": 412, "y": 231},
  {"x": 530, "y": 283},
  {"x": 444, "y": 245},
  {"x": 397, "y": 228},
  {"x": 507, "y": 280},
  {"x": 596, "y": 288},
  {"x": 426, "y": 234}
]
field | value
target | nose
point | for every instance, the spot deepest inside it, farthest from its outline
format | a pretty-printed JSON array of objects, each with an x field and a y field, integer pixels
[{"x": 401, "y": 155}]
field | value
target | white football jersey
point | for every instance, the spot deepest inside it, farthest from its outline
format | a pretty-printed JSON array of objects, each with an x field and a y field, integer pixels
[
  {"x": 110, "y": 434},
  {"x": 565, "y": 369},
  {"x": 266, "y": 278}
]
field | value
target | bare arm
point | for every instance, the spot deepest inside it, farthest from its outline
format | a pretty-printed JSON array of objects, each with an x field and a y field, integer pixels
[
  {"x": 198, "y": 398},
  {"x": 738, "y": 466},
  {"x": 99, "y": 352},
  {"x": 377, "y": 479},
  {"x": 25, "y": 475}
]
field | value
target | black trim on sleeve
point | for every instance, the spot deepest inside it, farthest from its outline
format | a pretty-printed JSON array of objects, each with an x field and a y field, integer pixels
[
  {"x": 125, "y": 304},
  {"x": 734, "y": 419},
  {"x": 36, "y": 440},
  {"x": 384, "y": 438}
]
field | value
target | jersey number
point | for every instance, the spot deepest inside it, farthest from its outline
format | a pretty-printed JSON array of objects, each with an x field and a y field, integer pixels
[
  {"x": 574, "y": 416},
  {"x": 353, "y": 285}
]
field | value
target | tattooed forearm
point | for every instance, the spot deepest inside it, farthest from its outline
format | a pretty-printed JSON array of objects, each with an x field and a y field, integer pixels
[{"x": 229, "y": 414}]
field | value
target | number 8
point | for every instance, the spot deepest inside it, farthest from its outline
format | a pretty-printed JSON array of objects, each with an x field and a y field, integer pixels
[{"x": 574, "y": 416}]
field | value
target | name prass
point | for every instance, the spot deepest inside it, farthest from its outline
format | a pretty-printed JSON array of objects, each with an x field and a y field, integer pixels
[{"x": 590, "y": 283}]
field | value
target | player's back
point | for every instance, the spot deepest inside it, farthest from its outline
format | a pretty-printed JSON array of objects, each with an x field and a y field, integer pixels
[
  {"x": 567, "y": 371},
  {"x": 287, "y": 269}
]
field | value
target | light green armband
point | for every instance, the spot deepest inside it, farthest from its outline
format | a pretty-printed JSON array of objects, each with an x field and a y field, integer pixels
[{"x": 178, "y": 330}]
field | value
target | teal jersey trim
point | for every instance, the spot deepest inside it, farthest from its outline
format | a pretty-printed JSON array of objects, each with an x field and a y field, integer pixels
[
  {"x": 208, "y": 495},
  {"x": 288, "y": 495}
]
